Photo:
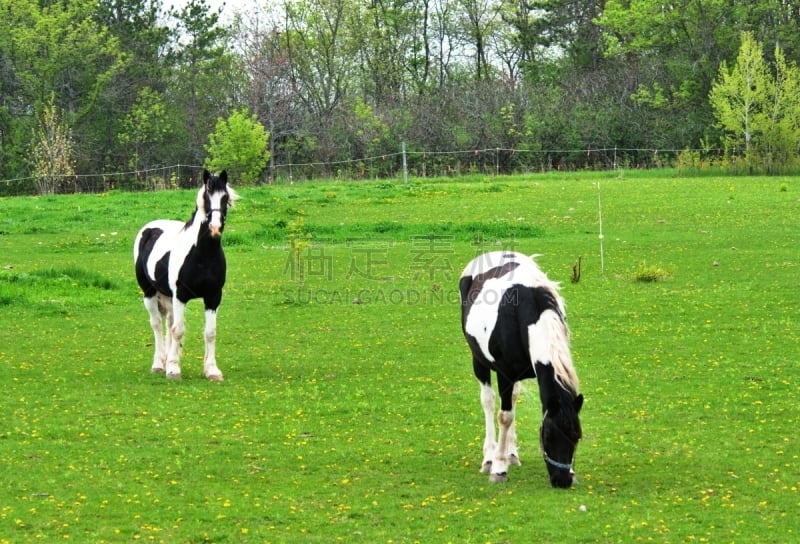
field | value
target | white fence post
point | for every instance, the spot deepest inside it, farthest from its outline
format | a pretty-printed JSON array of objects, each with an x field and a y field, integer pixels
[{"x": 405, "y": 165}]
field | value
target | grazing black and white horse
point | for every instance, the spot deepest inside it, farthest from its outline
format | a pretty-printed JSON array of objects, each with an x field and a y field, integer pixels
[
  {"x": 514, "y": 321},
  {"x": 177, "y": 262}
]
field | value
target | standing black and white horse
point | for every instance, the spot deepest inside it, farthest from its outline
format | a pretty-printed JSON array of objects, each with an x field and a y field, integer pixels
[
  {"x": 176, "y": 262},
  {"x": 514, "y": 321}
]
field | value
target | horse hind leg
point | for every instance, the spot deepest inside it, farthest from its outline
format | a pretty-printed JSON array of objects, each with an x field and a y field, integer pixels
[
  {"x": 165, "y": 308},
  {"x": 513, "y": 453},
  {"x": 156, "y": 323},
  {"x": 489, "y": 444},
  {"x": 177, "y": 329}
]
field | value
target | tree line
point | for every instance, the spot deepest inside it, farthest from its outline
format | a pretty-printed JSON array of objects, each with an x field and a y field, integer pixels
[{"x": 122, "y": 85}]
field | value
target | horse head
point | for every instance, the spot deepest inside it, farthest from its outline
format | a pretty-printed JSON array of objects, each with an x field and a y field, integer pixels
[
  {"x": 560, "y": 431},
  {"x": 213, "y": 201}
]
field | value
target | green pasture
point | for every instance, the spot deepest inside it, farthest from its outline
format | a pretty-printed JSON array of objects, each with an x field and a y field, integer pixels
[{"x": 349, "y": 412}]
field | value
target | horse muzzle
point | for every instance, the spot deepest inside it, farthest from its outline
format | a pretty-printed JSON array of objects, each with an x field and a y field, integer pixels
[
  {"x": 562, "y": 479},
  {"x": 215, "y": 231}
]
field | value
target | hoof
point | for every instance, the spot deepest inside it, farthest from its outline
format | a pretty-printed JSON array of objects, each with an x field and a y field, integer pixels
[
  {"x": 498, "y": 478},
  {"x": 514, "y": 460},
  {"x": 487, "y": 467},
  {"x": 174, "y": 376},
  {"x": 215, "y": 378},
  {"x": 157, "y": 370}
]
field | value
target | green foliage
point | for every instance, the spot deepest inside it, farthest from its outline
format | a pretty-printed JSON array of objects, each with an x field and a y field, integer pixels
[
  {"x": 654, "y": 97},
  {"x": 759, "y": 111},
  {"x": 649, "y": 273},
  {"x": 687, "y": 161},
  {"x": 52, "y": 157},
  {"x": 673, "y": 52},
  {"x": 739, "y": 96},
  {"x": 511, "y": 131},
  {"x": 371, "y": 130},
  {"x": 145, "y": 128},
  {"x": 202, "y": 75},
  {"x": 58, "y": 49},
  {"x": 141, "y": 84},
  {"x": 782, "y": 131},
  {"x": 239, "y": 145}
]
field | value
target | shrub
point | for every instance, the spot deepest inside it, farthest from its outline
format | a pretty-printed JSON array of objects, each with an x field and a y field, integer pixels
[{"x": 650, "y": 273}]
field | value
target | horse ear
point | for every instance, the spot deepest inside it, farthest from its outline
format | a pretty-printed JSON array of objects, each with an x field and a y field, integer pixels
[
  {"x": 223, "y": 176},
  {"x": 206, "y": 176},
  {"x": 578, "y": 403}
]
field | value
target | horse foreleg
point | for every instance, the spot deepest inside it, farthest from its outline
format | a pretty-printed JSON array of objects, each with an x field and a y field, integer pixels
[
  {"x": 505, "y": 419},
  {"x": 210, "y": 369},
  {"x": 156, "y": 323},
  {"x": 505, "y": 452},
  {"x": 177, "y": 330},
  {"x": 489, "y": 445}
]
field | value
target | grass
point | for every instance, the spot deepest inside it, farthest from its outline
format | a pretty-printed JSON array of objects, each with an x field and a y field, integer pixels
[{"x": 349, "y": 412}]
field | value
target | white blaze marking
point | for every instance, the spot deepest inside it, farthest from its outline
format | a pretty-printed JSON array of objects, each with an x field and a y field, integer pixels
[{"x": 215, "y": 220}]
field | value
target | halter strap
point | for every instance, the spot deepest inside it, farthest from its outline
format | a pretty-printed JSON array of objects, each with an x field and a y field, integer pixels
[
  {"x": 212, "y": 210},
  {"x": 553, "y": 462},
  {"x": 547, "y": 459}
]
